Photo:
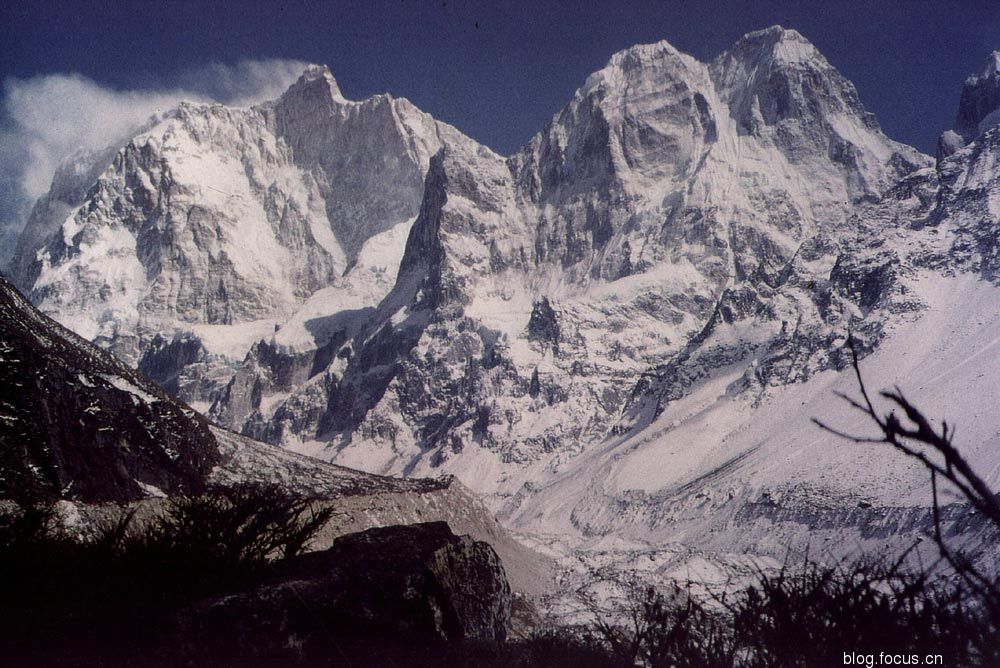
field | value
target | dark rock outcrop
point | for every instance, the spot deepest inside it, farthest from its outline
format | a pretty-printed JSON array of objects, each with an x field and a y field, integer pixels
[
  {"x": 544, "y": 324},
  {"x": 164, "y": 360},
  {"x": 865, "y": 280},
  {"x": 372, "y": 590}
]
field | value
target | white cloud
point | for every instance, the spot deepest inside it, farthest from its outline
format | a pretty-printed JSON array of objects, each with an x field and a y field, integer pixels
[
  {"x": 46, "y": 118},
  {"x": 246, "y": 83}
]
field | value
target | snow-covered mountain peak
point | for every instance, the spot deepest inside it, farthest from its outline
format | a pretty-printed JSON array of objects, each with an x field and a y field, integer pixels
[
  {"x": 633, "y": 127},
  {"x": 990, "y": 69},
  {"x": 775, "y": 74},
  {"x": 978, "y": 109},
  {"x": 979, "y": 105},
  {"x": 639, "y": 71},
  {"x": 653, "y": 115},
  {"x": 219, "y": 216},
  {"x": 318, "y": 80},
  {"x": 660, "y": 54},
  {"x": 314, "y": 72},
  {"x": 773, "y": 46},
  {"x": 782, "y": 45}
]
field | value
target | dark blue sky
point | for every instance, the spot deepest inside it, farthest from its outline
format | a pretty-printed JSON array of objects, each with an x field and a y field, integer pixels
[{"x": 496, "y": 70}]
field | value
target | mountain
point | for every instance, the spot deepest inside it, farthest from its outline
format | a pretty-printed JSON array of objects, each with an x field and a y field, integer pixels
[
  {"x": 216, "y": 225},
  {"x": 79, "y": 424},
  {"x": 70, "y": 184},
  {"x": 619, "y": 332},
  {"x": 717, "y": 454},
  {"x": 535, "y": 290}
]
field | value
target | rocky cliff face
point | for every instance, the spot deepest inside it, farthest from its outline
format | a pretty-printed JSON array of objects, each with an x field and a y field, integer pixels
[
  {"x": 79, "y": 426},
  {"x": 70, "y": 186},
  {"x": 977, "y": 108},
  {"x": 967, "y": 211}
]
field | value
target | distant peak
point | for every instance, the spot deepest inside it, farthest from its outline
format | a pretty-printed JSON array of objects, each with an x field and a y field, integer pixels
[
  {"x": 318, "y": 75},
  {"x": 990, "y": 69},
  {"x": 313, "y": 72},
  {"x": 777, "y": 33},
  {"x": 642, "y": 54},
  {"x": 783, "y": 45},
  {"x": 979, "y": 106},
  {"x": 641, "y": 57}
]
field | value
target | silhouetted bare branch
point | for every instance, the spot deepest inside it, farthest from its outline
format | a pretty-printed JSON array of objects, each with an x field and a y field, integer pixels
[{"x": 917, "y": 438}]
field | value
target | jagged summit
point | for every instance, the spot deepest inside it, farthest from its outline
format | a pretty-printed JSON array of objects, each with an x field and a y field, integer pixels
[
  {"x": 641, "y": 55},
  {"x": 980, "y": 101},
  {"x": 784, "y": 44},
  {"x": 990, "y": 69},
  {"x": 978, "y": 109},
  {"x": 316, "y": 82},
  {"x": 776, "y": 43},
  {"x": 314, "y": 72},
  {"x": 775, "y": 74}
]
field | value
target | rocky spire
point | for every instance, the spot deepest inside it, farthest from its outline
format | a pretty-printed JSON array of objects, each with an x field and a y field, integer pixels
[{"x": 978, "y": 108}]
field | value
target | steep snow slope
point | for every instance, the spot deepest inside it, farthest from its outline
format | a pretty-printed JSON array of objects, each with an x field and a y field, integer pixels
[
  {"x": 719, "y": 447},
  {"x": 723, "y": 483}
]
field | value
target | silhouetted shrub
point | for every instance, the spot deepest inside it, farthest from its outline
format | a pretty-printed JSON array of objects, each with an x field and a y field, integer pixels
[
  {"x": 806, "y": 617},
  {"x": 68, "y": 599},
  {"x": 813, "y": 616}
]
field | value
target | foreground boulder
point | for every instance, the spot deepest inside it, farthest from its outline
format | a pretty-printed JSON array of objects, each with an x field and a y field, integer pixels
[{"x": 372, "y": 592}]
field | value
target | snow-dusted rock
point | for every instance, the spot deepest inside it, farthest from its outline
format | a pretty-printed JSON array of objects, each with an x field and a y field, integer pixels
[{"x": 76, "y": 423}]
